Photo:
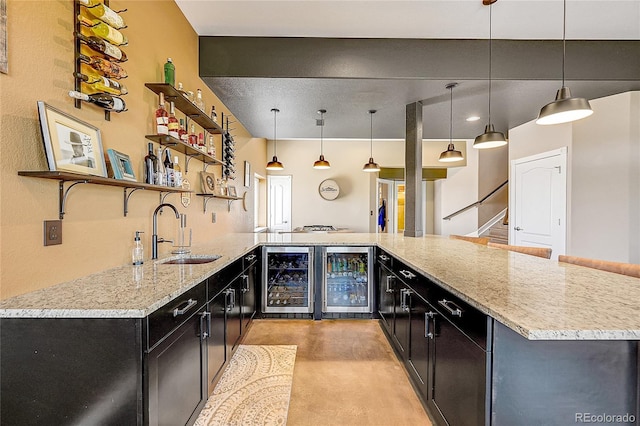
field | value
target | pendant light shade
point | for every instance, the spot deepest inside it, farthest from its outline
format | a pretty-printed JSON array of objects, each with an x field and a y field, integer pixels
[
  {"x": 321, "y": 163},
  {"x": 371, "y": 166},
  {"x": 564, "y": 108},
  {"x": 490, "y": 138},
  {"x": 451, "y": 155},
  {"x": 274, "y": 164}
]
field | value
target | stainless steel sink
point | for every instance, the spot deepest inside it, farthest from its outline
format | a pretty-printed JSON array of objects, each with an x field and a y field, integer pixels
[{"x": 190, "y": 260}]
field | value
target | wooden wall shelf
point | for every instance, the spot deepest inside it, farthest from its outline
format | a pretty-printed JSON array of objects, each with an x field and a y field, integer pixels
[
  {"x": 185, "y": 148},
  {"x": 208, "y": 197},
  {"x": 76, "y": 178}
]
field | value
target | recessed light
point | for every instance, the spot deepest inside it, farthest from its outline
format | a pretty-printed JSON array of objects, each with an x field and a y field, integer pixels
[{"x": 473, "y": 118}]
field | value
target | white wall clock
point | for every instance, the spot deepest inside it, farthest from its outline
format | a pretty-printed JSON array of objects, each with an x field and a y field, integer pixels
[{"x": 329, "y": 189}]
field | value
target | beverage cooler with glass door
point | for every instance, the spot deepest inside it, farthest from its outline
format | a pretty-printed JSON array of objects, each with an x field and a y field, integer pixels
[
  {"x": 287, "y": 280},
  {"x": 347, "y": 279}
]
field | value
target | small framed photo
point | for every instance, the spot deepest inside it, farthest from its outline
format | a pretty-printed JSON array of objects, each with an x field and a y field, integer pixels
[
  {"x": 208, "y": 183},
  {"x": 121, "y": 165},
  {"x": 231, "y": 191},
  {"x": 70, "y": 144}
]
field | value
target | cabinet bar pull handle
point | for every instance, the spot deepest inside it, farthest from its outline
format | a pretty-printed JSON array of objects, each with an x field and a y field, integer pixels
[
  {"x": 456, "y": 311},
  {"x": 389, "y": 279},
  {"x": 404, "y": 304},
  {"x": 427, "y": 319},
  {"x": 245, "y": 288},
  {"x": 190, "y": 304},
  {"x": 203, "y": 334},
  {"x": 383, "y": 257},
  {"x": 250, "y": 257},
  {"x": 407, "y": 274}
]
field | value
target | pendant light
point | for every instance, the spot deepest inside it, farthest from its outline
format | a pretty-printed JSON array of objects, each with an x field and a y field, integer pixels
[
  {"x": 274, "y": 164},
  {"x": 321, "y": 164},
  {"x": 451, "y": 155},
  {"x": 490, "y": 138},
  {"x": 371, "y": 166},
  {"x": 564, "y": 108}
]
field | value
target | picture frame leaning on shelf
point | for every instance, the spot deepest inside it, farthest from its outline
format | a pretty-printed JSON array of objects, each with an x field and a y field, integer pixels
[
  {"x": 70, "y": 144},
  {"x": 121, "y": 165}
]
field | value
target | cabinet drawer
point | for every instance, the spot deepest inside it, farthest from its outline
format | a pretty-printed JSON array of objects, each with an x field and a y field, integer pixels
[
  {"x": 250, "y": 258},
  {"x": 384, "y": 258},
  {"x": 465, "y": 317},
  {"x": 221, "y": 279},
  {"x": 166, "y": 319}
]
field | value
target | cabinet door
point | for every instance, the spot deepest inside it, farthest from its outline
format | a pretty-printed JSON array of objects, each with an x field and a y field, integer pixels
[
  {"x": 248, "y": 295},
  {"x": 177, "y": 375},
  {"x": 216, "y": 348},
  {"x": 420, "y": 336},
  {"x": 234, "y": 313},
  {"x": 402, "y": 319},
  {"x": 459, "y": 376},
  {"x": 386, "y": 298}
]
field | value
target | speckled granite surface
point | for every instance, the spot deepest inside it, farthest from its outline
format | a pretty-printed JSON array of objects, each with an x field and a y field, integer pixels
[{"x": 538, "y": 298}]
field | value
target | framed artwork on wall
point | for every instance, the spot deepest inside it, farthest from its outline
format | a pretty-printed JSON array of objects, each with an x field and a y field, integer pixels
[
  {"x": 70, "y": 144},
  {"x": 208, "y": 183},
  {"x": 231, "y": 191}
]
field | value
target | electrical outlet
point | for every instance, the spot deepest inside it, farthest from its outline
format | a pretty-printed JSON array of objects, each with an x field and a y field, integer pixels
[
  {"x": 213, "y": 217},
  {"x": 52, "y": 232}
]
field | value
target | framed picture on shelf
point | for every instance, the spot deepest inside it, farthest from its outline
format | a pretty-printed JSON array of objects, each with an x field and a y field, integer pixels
[
  {"x": 70, "y": 144},
  {"x": 247, "y": 174},
  {"x": 208, "y": 183},
  {"x": 231, "y": 191},
  {"x": 121, "y": 165}
]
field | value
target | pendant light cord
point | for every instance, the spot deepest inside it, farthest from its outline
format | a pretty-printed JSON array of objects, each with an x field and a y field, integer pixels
[
  {"x": 451, "y": 116},
  {"x": 490, "y": 52},
  {"x": 275, "y": 139},
  {"x": 564, "y": 36},
  {"x": 321, "y": 133},
  {"x": 371, "y": 140}
]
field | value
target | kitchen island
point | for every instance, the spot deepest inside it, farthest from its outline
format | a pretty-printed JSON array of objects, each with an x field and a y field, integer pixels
[{"x": 534, "y": 305}]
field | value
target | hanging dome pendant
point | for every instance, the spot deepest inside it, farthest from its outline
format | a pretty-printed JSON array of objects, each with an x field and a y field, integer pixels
[{"x": 321, "y": 163}]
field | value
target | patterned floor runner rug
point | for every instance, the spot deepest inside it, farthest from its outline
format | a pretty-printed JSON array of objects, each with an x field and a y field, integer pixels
[{"x": 254, "y": 389}]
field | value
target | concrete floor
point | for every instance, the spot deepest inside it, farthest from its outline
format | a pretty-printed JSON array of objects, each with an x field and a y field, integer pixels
[{"x": 345, "y": 374}]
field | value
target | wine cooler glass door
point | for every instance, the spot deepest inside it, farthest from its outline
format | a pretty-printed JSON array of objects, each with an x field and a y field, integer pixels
[
  {"x": 287, "y": 280},
  {"x": 347, "y": 279}
]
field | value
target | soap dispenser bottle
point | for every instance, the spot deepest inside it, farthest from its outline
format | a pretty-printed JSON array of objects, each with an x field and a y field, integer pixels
[{"x": 137, "y": 252}]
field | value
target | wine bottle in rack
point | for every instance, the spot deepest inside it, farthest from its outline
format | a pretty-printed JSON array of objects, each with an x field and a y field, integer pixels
[
  {"x": 102, "y": 46},
  {"x": 104, "y": 100},
  {"x": 104, "y": 31},
  {"x": 162, "y": 118},
  {"x": 100, "y": 84},
  {"x": 109, "y": 69},
  {"x": 173, "y": 124},
  {"x": 104, "y": 13}
]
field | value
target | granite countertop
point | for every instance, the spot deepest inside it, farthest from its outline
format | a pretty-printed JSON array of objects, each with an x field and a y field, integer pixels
[{"x": 538, "y": 298}]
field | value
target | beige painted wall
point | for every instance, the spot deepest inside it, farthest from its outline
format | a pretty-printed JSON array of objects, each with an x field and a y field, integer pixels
[
  {"x": 603, "y": 179},
  {"x": 493, "y": 170},
  {"x": 356, "y": 207},
  {"x": 96, "y": 235}
]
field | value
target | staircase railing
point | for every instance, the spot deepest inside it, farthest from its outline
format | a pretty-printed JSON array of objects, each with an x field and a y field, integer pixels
[{"x": 477, "y": 203}]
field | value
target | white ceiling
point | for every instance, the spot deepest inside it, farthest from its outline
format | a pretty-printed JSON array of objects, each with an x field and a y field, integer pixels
[{"x": 512, "y": 19}]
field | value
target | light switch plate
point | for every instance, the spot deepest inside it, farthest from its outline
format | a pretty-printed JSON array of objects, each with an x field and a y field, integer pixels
[{"x": 52, "y": 232}]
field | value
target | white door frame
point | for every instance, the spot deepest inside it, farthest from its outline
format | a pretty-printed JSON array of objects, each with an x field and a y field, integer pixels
[{"x": 559, "y": 240}]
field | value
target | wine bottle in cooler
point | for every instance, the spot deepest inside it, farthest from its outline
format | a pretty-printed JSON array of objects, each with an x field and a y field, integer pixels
[
  {"x": 150, "y": 166},
  {"x": 102, "y": 46},
  {"x": 109, "y": 69},
  {"x": 99, "y": 10},
  {"x": 173, "y": 124},
  {"x": 104, "y": 31},
  {"x": 104, "y": 100},
  {"x": 162, "y": 118}
]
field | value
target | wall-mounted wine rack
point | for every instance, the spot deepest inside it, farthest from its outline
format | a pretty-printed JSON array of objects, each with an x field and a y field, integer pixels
[{"x": 77, "y": 8}]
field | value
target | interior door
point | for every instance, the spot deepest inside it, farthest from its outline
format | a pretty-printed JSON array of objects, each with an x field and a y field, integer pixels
[
  {"x": 385, "y": 195},
  {"x": 538, "y": 201},
  {"x": 279, "y": 203}
]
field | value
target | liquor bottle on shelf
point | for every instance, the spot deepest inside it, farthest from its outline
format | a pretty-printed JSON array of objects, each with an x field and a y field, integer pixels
[
  {"x": 104, "y": 31},
  {"x": 182, "y": 91},
  {"x": 99, "y": 45},
  {"x": 177, "y": 173},
  {"x": 182, "y": 132},
  {"x": 170, "y": 72},
  {"x": 161, "y": 175},
  {"x": 100, "y": 84},
  {"x": 199, "y": 101},
  {"x": 162, "y": 118},
  {"x": 211, "y": 148},
  {"x": 109, "y": 69},
  {"x": 150, "y": 166},
  {"x": 193, "y": 138},
  {"x": 104, "y": 100},
  {"x": 99, "y": 10},
  {"x": 214, "y": 114},
  {"x": 172, "y": 123},
  {"x": 201, "y": 145},
  {"x": 168, "y": 169}
]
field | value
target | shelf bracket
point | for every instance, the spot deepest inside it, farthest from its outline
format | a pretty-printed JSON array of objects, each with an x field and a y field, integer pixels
[
  {"x": 64, "y": 193},
  {"x": 205, "y": 200},
  {"x": 126, "y": 198},
  {"x": 188, "y": 158}
]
